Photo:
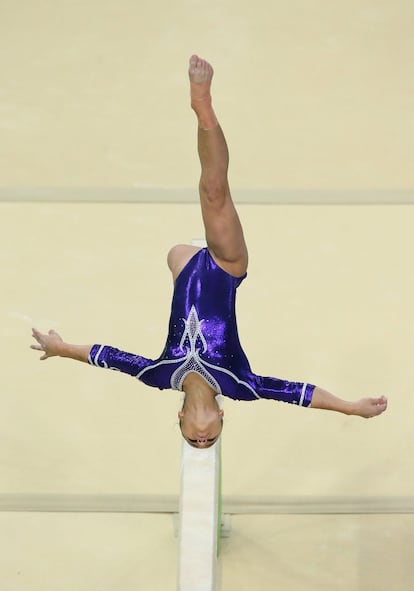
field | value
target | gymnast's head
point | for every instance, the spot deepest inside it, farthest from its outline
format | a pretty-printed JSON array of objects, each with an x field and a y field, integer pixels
[{"x": 201, "y": 418}]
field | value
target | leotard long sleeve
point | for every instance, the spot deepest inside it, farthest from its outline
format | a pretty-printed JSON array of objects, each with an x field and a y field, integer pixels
[{"x": 203, "y": 338}]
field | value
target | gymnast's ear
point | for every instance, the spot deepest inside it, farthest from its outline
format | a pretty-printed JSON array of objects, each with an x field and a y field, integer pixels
[
  {"x": 221, "y": 412},
  {"x": 180, "y": 414}
]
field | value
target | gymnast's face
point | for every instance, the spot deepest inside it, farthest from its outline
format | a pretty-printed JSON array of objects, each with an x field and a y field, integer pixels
[{"x": 201, "y": 429}]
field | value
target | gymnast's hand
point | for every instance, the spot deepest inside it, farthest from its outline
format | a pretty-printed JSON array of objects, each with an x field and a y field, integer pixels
[
  {"x": 370, "y": 407},
  {"x": 48, "y": 343}
]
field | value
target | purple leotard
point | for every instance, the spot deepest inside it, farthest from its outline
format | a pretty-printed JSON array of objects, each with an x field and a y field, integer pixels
[{"x": 203, "y": 338}]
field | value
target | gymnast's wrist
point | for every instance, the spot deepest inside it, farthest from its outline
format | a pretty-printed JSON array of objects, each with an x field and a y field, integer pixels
[
  {"x": 352, "y": 408},
  {"x": 62, "y": 349},
  {"x": 77, "y": 352}
]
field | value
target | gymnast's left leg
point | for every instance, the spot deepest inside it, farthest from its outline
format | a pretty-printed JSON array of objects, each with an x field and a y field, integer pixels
[{"x": 224, "y": 233}]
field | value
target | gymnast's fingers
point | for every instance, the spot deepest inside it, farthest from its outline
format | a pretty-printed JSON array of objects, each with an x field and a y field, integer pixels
[
  {"x": 40, "y": 348},
  {"x": 36, "y": 334},
  {"x": 36, "y": 347}
]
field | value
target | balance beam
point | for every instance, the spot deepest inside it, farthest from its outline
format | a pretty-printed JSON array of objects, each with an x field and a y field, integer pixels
[{"x": 199, "y": 519}]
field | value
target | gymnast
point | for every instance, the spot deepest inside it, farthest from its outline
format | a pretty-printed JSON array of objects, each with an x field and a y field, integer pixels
[{"x": 202, "y": 356}]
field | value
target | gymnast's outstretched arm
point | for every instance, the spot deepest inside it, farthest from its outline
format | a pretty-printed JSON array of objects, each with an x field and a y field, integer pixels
[
  {"x": 52, "y": 345},
  {"x": 365, "y": 407},
  {"x": 308, "y": 395}
]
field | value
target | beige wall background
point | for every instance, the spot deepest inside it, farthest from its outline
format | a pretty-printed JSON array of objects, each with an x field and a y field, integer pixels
[
  {"x": 315, "y": 99},
  {"x": 311, "y": 94}
]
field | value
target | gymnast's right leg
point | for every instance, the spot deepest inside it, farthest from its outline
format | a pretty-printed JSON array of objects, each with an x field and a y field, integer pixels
[{"x": 224, "y": 233}]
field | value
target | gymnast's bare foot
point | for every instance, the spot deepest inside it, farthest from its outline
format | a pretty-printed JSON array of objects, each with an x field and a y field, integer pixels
[
  {"x": 370, "y": 407},
  {"x": 201, "y": 73}
]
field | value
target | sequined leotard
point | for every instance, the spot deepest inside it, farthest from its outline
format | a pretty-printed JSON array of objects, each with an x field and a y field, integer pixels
[{"x": 203, "y": 338}]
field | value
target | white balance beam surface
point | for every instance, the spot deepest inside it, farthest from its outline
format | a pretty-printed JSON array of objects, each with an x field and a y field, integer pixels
[{"x": 199, "y": 518}]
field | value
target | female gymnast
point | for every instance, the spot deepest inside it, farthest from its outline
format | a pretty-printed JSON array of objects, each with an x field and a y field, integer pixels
[{"x": 203, "y": 356}]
